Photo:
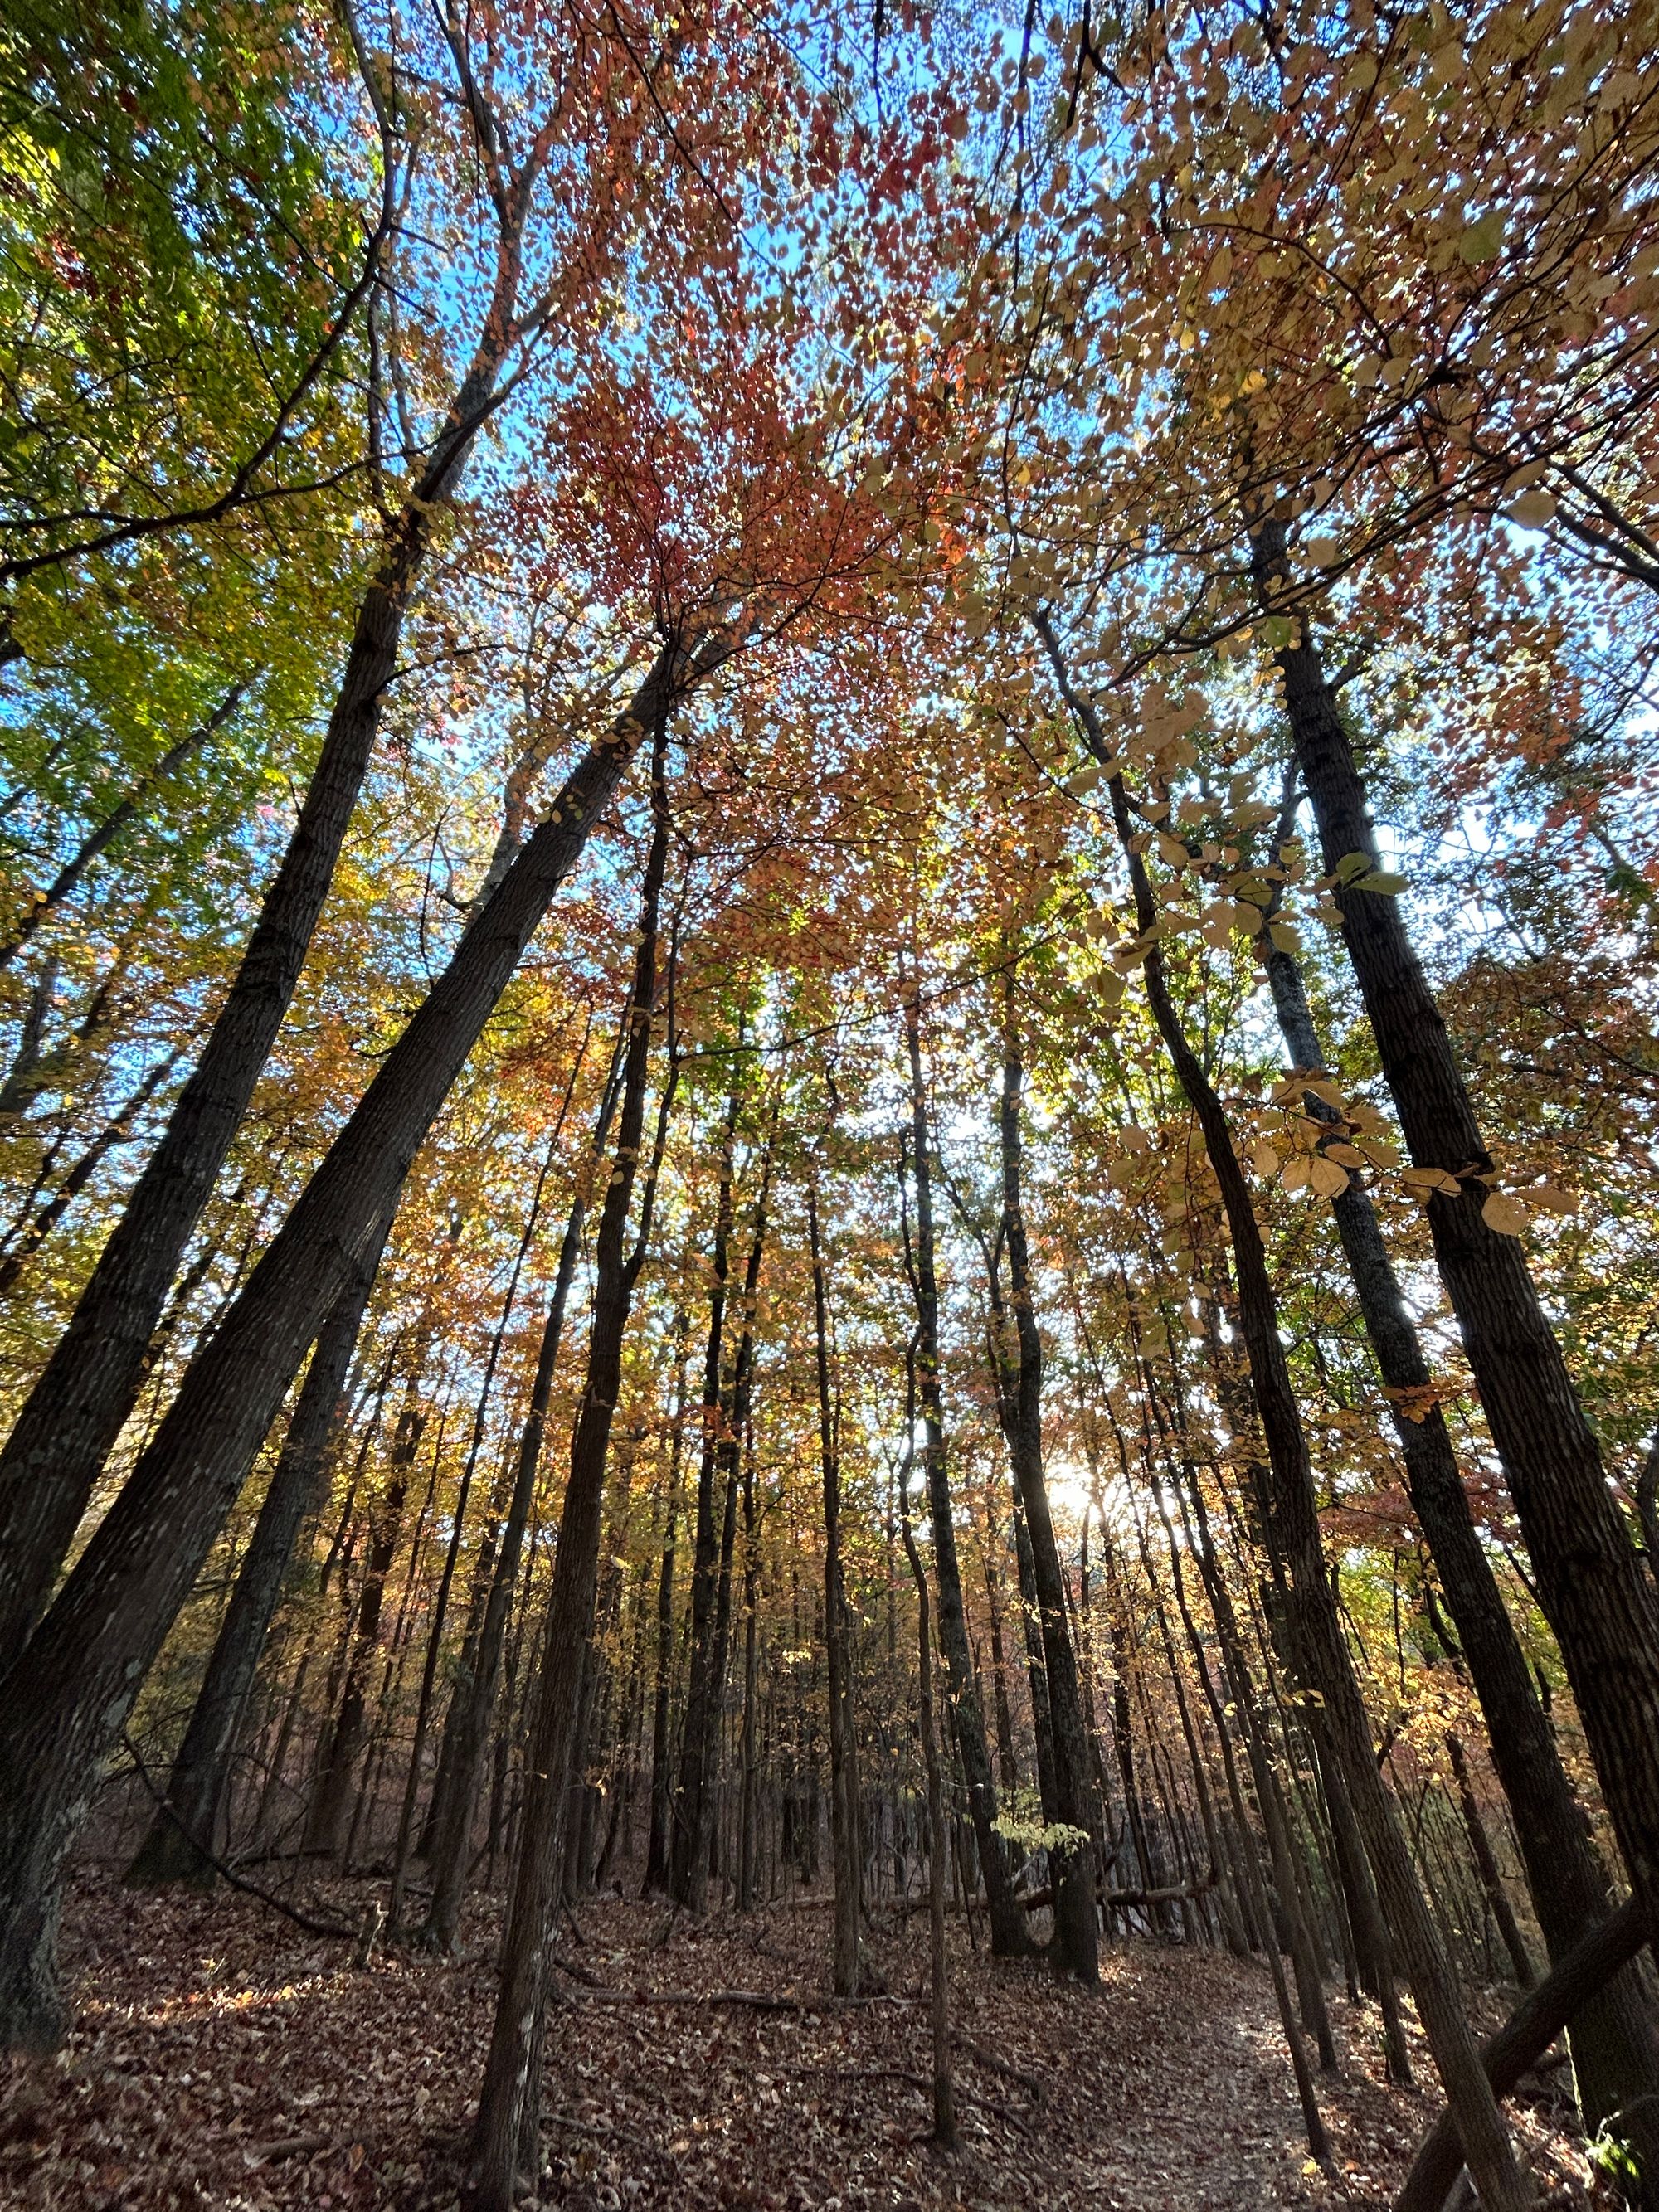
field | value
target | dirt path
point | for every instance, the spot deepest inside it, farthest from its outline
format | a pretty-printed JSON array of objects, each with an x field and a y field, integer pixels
[{"x": 223, "y": 2058}]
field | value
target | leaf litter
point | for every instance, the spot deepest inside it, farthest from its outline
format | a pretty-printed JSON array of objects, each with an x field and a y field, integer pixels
[{"x": 222, "y": 2057}]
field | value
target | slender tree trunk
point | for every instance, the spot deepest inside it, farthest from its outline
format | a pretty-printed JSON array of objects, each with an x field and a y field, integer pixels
[
  {"x": 847, "y": 1856},
  {"x": 944, "y": 2116},
  {"x": 1612, "y": 2045},
  {"x": 506, "y": 2135},
  {"x": 1010, "y": 1937},
  {"x": 1020, "y": 1404},
  {"x": 1007, "y": 1764},
  {"x": 656, "y": 1854},
  {"x": 474, "y": 1698},
  {"x": 440, "y": 1603},
  {"x": 1601, "y": 1604},
  {"x": 63, "y": 1704},
  {"x": 688, "y": 1824},
  {"x": 1296, "y": 1553},
  {"x": 344, "y": 1737}
]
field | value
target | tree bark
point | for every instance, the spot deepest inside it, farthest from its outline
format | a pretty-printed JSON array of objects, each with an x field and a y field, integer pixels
[
  {"x": 1594, "y": 1590},
  {"x": 64, "y": 1702},
  {"x": 76, "y": 1411},
  {"x": 196, "y": 1792},
  {"x": 1296, "y": 1552},
  {"x": 845, "y": 1825},
  {"x": 688, "y": 1830},
  {"x": 506, "y": 2134},
  {"x": 1010, "y": 1936},
  {"x": 944, "y": 2117},
  {"x": 1076, "y": 1945}
]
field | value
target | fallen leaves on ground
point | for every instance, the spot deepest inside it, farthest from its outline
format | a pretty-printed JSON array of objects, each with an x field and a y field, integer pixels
[{"x": 222, "y": 2057}]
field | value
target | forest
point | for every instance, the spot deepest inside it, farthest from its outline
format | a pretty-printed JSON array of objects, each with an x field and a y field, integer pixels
[{"x": 828, "y": 1105}]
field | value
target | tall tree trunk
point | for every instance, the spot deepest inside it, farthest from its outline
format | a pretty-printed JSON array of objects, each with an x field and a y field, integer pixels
[
  {"x": 63, "y": 1704},
  {"x": 846, "y": 1849},
  {"x": 656, "y": 1852},
  {"x": 1612, "y": 2045},
  {"x": 298, "y": 1486},
  {"x": 734, "y": 1431},
  {"x": 506, "y": 2135},
  {"x": 1009, "y": 1936},
  {"x": 1601, "y": 1604},
  {"x": 440, "y": 1603},
  {"x": 1007, "y": 1762},
  {"x": 342, "y": 1735},
  {"x": 944, "y": 2117},
  {"x": 689, "y": 1827},
  {"x": 473, "y": 1700},
  {"x": 76, "y": 1411},
  {"x": 1020, "y": 1406},
  {"x": 1291, "y": 1528}
]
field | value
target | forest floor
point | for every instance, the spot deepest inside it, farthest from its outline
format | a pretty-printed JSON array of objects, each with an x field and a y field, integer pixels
[{"x": 224, "y": 2058}]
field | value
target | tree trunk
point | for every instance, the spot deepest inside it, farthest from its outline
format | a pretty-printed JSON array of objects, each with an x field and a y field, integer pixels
[
  {"x": 846, "y": 1849},
  {"x": 1020, "y": 1405},
  {"x": 506, "y": 2135},
  {"x": 685, "y": 1841},
  {"x": 944, "y": 2117},
  {"x": 1010, "y": 1937},
  {"x": 297, "y": 1489},
  {"x": 1612, "y": 2045},
  {"x": 1296, "y": 1552},
  {"x": 656, "y": 1854},
  {"x": 472, "y": 1701},
  {"x": 76, "y": 1411},
  {"x": 1601, "y": 1604},
  {"x": 343, "y": 1737},
  {"x": 65, "y": 1702}
]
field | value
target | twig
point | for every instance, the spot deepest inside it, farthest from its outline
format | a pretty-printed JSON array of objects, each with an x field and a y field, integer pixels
[
  {"x": 608, "y": 2133},
  {"x": 1030, "y": 2082},
  {"x": 311, "y": 1927}
]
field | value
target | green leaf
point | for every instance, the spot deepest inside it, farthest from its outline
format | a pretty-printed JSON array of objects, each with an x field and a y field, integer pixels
[{"x": 1482, "y": 240}]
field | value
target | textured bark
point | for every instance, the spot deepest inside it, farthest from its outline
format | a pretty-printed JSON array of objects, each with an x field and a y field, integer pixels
[
  {"x": 76, "y": 1411},
  {"x": 689, "y": 1827},
  {"x": 1019, "y": 1398},
  {"x": 1601, "y": 1604},
  {"x": 1010, "y": 1937},
  {"x": 505, "y": 2136},
  {"x": 296, "y": 1491},
  {"x": 656, "y": 1854},
  {"x": 846, "y": 1844},
  {"x": 1563, "y": 1994},
  {"x": 1612, "y": 2045},
  {"x": 944, "y": 2117},
  {"x": 63, "y": 1704},
  {"x": 1295, "y": 1550}
]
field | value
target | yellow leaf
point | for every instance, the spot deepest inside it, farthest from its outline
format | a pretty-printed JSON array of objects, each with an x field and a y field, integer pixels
[
  {"x": 1420, "y": 1182},
  {"x": 1325, "y": 1178},
  {"x": 1531, "y": 511},
  {"x": 1506, "y": 1215}
]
